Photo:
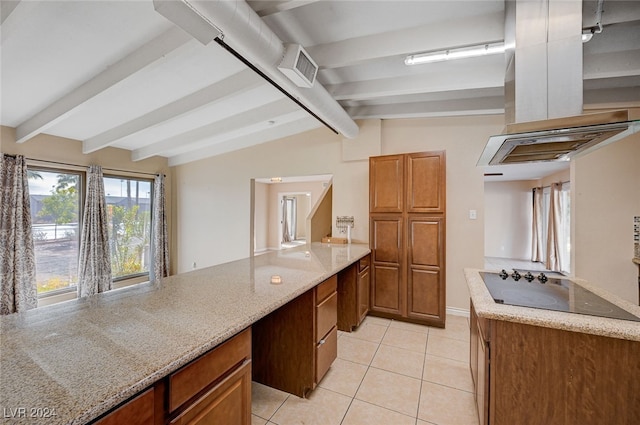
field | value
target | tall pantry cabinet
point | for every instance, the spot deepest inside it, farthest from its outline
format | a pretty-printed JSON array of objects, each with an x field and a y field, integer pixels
[{"x": 407, "y": 210}]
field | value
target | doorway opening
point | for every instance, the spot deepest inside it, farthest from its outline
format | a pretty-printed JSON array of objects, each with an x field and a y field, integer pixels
[{"x": 289, "y": 211}]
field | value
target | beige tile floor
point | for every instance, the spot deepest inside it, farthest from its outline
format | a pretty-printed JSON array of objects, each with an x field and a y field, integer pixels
[{"x": 387, "y": 373}]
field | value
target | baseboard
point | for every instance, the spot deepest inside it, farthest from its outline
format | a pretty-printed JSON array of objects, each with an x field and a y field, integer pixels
[{"x": 458, "y": 312}]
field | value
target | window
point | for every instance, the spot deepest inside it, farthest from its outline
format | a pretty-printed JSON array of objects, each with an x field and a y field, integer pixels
[
  {"x": 546, "y": 196},
  {"x": 56, "y": 214},
  {"x": 129, "y": 216},
  {"x": 565, "y": 228}
]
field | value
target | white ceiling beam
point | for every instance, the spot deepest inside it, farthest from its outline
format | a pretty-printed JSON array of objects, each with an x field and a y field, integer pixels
[
  {"x": 612, "y": 64},
  {"x": 216, "y": 92},
  {"x": 612, "y": 98},
  {"x": 459, "y": 107},
  {"x": 261, "y": 114},
  {"x": 265, "y": 8},
  {"x": 437, "y": 36},
  {"x": 247, "y": 130},
  {"x": 152, "y": 51},
  {"x": 457, "y": 78},
  {"x": 267, "y": 135},
  {"x": 6, "y": 7}
]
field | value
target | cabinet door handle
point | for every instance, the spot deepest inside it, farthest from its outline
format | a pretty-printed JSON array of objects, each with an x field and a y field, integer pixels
[{"x": 322, "y": 341}]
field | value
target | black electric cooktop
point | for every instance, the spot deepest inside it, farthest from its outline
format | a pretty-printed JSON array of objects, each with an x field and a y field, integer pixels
[{"x": 536, "y": 290}]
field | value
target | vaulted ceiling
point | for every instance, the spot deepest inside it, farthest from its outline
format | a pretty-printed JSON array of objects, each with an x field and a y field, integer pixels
[{"x": 119, "y": 73}]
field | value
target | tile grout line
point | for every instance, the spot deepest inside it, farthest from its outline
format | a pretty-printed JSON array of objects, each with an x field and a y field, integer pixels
[
  {"x": 279, "y": 407},
  {"x": 424, "y": 363},
  {"x": 365, "y": 374}
]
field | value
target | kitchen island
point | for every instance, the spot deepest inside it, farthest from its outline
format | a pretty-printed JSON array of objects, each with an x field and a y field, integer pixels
[
  {"x": 70, "y": 363},
  {"x": 537, "y": 366}
]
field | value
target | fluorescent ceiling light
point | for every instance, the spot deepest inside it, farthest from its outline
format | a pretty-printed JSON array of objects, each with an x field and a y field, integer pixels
[{"x": 460, "y": 53}]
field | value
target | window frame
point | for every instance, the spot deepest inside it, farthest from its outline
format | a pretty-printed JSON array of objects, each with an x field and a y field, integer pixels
[
  {"x": 63, "y": 294},
  {"x": 82, "y": 186},
  {"x": 118, "y": 281}
]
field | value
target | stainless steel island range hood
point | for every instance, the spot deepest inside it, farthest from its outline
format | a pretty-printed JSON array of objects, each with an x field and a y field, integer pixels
[
  {"x": 544, "y": 88},
  {"x": 557, "y": 139}
]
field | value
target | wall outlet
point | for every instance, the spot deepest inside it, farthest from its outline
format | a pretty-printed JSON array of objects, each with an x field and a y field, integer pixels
[{"x": 473, "y": 214}]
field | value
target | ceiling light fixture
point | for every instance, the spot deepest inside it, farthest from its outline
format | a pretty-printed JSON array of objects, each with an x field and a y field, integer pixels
[
  {"x": 587, "y": 35},
  {"x": 459, "y": 53}
]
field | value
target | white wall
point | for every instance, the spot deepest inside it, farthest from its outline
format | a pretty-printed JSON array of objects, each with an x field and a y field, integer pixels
[
  {"x": 508, "y": 215},
  {"x": 276, "y": 191},
  {"x": 463, "y": 138},
  {"x": 213, "y": 195},
  {"x": 261, "y": 216},
  {"x": 605, "y": 198}
]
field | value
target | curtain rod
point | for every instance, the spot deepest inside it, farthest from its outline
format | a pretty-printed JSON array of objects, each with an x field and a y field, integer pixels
[
  {"x": 77, "y": 165},
  {"x": 568, "y": 181}
]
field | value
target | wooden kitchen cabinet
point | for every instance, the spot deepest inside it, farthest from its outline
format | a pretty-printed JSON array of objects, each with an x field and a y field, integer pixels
[
  {"x": 227, "y": 403},
  {"x": 364, "y": 285},
  {"x": 215, "y": 388},
  {"x": 137, "y": 411},
  {"x": 353, "y": 294},
  {"x": 426, "y": 248},
  {"x": 294, "y": 346},
  {"x": 425, "y": 183},
  {"x": 386, "y": 177},
  {"x": 480, "y": 365},
  {"x": 407, "y": 224},
  {"x": 387, "y": 261},
  {"x": 526, "y": 374}
]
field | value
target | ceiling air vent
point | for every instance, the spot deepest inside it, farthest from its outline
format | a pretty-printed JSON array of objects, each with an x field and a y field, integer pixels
[{"x": 298, "y": 66}]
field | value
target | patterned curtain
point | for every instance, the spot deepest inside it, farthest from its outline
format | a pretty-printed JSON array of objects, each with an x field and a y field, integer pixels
[
  {"x": 537, "y": 251},
  {"x": 159, "y": 232},
  {"x": 553, "y": 260},
  {"x": 18, "y": 291},
  {"x": 94, "y": 264}
]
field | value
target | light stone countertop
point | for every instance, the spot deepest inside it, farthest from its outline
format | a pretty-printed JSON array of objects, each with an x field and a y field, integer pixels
[
  {"x": 487, "y": 308},
  {"x": 83, "y": 357}
]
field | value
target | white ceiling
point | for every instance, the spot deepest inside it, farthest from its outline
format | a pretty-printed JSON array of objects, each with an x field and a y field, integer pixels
[{"x": 117, "y": 73}]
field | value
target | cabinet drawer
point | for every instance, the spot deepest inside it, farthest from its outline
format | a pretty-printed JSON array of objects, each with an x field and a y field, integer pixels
[
  {"x": 327, "y": 316},
  {"x": 229, "y": 402},
  {"x": 197, "y": 375},
  {"x": 326, "y": 288},
  {"x": 138, "y": 411},
  {"x": 326, "y": 353},
  {"x": 363, "y": 263}
]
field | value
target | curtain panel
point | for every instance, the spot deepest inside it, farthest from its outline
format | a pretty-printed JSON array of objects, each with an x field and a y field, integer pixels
[
  {"x": 160, "y": 244},
  {"x": 94, "y": 263},
  {"x": 553, "y": 259},
  {"x": 18, "y": 289},
  {"x": 537, "y": 251},
  {"x": 286, "y": 236}
]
